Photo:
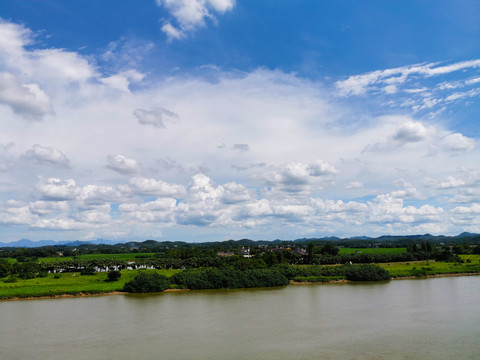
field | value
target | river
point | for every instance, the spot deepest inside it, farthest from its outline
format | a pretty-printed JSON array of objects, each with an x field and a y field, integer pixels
[{"x": 402, "y": 319}]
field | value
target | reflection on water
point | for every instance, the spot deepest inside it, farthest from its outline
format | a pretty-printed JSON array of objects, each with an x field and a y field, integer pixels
[{"x": 408, "y": 319}]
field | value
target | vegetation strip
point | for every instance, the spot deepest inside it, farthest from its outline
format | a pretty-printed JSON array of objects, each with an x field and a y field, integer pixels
[{"x": 22, "y": 275}]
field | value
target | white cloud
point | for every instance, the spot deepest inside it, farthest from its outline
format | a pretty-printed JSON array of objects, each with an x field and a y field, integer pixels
[
  {"x": 157, "y": 117},
  {"x": 410, "y": 132},
  {"x": 96, "y": 194},
  {"x": 451, "y": 183},
  {"x": 457, "y": 143},
  {"x": 26, "y": 100},
  {"x": 47, "y": 155},
  {"x": 43, "y": 208},
  {"x": 145, "y": 186},
  {"x": 172, "y": 32},
  {"x": 122, "y": 80},
  {"x": 158, "y": 211},
  {"x": 360, "y": 84},
  {"x": 122, "y": 164},
  {"x": 321, "y": 168},
  {"x": 191, "y": 14},
  {"x": 57, "y": 190},
  {"x": 6, "y": 156},
  {"x": 355, "y": 185},
  {"x": 297, "y": 177}
]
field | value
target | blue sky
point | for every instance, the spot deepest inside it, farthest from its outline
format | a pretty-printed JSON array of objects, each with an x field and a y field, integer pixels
[{"x": 214, "y": 119}]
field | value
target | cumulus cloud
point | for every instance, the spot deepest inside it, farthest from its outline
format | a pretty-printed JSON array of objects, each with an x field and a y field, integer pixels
[
  {"x": 122, "y": 80},
  {"x": 122, "y": 164},
  {"x": 321, "y": 168},
  {"x": 158, "y": 211},
  {"x": 410, "y": 132},
  {"x": 57, "y": 190},
  {"x": 146, "y": 186},
  {"x": 157, "y": 117},
  {"x": 97, "y": 195},
  {"x": 191, "y": 14},
  {"x": 457, "y": 143},
  {"x": 26, "y": 100},
  {"x": 297, "y": 177},
  {"x": 47, "y": 155},
  {"x": 43, "y": 208},
  {"x": 451, "y": 183}
]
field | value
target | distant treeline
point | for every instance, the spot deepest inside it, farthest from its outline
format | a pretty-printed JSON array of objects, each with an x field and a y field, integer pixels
[{"x": 232, "y": 245}]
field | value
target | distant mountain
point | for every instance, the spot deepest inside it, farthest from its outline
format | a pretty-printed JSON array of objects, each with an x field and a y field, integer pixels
[
  {"x": 465, "y": 237},
  {"x": 360, "y": 238},
  {"x": 466, "y": 234},
  {"x": 27, "y": 243}
]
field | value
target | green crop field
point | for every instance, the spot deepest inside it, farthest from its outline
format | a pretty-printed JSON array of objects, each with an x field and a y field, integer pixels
[
  {"x": 372, "y": 250},
  {"x": 68, "y": 283}
]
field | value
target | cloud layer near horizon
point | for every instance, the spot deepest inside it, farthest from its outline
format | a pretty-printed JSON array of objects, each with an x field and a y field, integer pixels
[{"x": 87, "y": 153}]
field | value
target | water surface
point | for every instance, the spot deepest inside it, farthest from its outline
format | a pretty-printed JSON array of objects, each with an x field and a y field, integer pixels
[{"x": 404, "y": 319}]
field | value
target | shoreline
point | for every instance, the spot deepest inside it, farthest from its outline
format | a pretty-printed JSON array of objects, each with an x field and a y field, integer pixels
[
  {"x": 111, "y": 293},
  {"x": 435, "y": 276}
]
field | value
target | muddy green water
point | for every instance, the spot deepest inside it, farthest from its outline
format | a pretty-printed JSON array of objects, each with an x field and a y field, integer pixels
[{"x": 403, "y": 319}]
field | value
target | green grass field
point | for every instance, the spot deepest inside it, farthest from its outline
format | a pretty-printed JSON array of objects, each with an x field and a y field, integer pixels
[
  {"x": 69, "y": 284},
  {"x": 431, "y": 267},
  {"x": 373, "y": 250}
]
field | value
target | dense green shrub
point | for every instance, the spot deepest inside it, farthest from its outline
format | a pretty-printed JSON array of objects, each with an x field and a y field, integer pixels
[
  {"x": 366, "y": 273},
  {"x": 147, "y": 282},
  {"x": 228, "y": 278},
  {"x": 88, "y": 271},
  {"x": 27, "y": 270},
  {"x": 114, "y": 275},
  {"x": 351, "y": 272},
  {"x": 5, "y": 268},
  {"x": 10, "y": 279}
]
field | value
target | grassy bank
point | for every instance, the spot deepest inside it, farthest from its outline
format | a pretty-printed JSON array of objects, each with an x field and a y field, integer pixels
[{"x": 67, "y": 283}]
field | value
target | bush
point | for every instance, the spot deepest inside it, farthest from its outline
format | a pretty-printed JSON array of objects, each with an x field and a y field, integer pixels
[
  {"x": 366, "y": 273},
  {"x": 88, "y": 271},
  {"x": 42, "y": 274},
  {"x": 228, "y": 278},
  {"x": 146, "y": 283},
  {"x": 113, "y": 275},
  {"x": 10, "y": 279}
]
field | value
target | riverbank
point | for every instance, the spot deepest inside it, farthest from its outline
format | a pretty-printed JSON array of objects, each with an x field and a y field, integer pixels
[{"x": 292, "y": 282}]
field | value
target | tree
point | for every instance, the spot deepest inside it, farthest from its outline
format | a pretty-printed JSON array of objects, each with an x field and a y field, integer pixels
[
  {"x": 329, "y": 249},
  {"x": 113, "y": 275},
  {"x": 310, "y": 247},
  {"x": 147, "y": 282},
  {"x": 5, "y": 268}
]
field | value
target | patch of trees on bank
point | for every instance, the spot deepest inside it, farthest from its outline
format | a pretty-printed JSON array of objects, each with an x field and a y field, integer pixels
[{"x": 230, "y": 278}]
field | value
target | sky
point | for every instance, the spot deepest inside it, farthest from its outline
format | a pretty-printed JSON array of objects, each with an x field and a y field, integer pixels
[{"x": 209, "y": 120}]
